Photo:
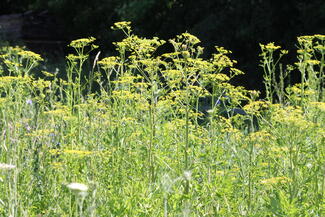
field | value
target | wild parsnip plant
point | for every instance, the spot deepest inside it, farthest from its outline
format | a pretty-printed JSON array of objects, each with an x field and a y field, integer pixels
[{"x": 159, "y": 135}]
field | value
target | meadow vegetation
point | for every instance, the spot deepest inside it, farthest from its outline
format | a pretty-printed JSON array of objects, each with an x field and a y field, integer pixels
[{"x": 131, "y": 137}]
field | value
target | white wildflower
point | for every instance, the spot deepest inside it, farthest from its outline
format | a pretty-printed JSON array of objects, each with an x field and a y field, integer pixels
[
  {"x": 78, "y": 187},
  {"x": 7, "y": 166},
  {"x": 187, "y": 175},
  {"x": 29, "y": 102}
]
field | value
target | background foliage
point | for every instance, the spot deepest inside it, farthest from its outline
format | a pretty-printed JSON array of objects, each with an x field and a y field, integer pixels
[{"x": 237, "y": 25}]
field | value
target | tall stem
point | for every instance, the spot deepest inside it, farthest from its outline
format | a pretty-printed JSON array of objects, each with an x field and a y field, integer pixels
[
  {"x": 152, "y": 129},
  {"x": 250, "y": 177},
  {"x": 187, "y": 184}
]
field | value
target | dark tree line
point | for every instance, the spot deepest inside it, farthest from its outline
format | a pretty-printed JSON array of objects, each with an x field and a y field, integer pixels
[{"x": 235, "y": 24}]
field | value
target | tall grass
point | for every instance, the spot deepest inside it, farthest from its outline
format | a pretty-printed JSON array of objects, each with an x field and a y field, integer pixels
[{"x": 144, "y": 144}]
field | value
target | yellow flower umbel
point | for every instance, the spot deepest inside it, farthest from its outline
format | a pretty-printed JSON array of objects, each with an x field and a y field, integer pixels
[
  {"x": 270, "y": 47},
  {"x": 125, "y": 26},
  {"x": 41, "y": 133},
  {"x": 30, "y": 55},
  {"x": 292, "y": 117},
  {"x": 74, "y": 152},
  {"x": 19, "y": 61},
  {"x": 274, "y": 84},
  {"x": 275, "y": 180},
  {"x": 109, "y": 62},
  {"x": 83, "y": 42},
  {"x": 78, "y": 152}
]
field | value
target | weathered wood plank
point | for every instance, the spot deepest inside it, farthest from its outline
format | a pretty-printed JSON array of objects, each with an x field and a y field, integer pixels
[
  {"x": 11, "y": 26},
  {"x": 30, "y": 26}
]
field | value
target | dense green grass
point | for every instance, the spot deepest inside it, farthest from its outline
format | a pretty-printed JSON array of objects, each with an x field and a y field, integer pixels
[{"x": 141, "y": 144}]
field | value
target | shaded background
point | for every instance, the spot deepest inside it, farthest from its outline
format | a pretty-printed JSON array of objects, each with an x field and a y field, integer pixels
[{"x": 238, "y": 25}]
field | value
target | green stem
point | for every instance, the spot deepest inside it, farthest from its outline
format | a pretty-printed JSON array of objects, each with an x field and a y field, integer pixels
[
  {"x": 187, "y": 184},
  {"x": 321, "y": 78},
  {"x": 152, "y": 129},
  {"x": 250, "y": 178}
]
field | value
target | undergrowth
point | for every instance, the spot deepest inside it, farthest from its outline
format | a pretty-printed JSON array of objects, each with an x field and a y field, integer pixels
[{"x": 143, "y": 134}]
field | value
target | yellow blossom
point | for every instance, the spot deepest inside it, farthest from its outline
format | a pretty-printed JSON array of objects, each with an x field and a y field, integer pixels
[
  {"x": 312, "y": 62},
  {"x": 218, "y": 77},
  {"x": 30, "y": 55},
  {"x": 321, "y": 37},
  {"x": 40, "y": 133},
  {"x": 57, "y": 165},
  {"x": 59, "y": 111},
  {"x": 261, "y": 136},
  {"x": 77, "y": 152},
  {"x": 121, "y": 25},
  {"x": 307, "y": 39},
  {"x": 320, "y": 48},
  {"x": 236, "y": 71},
  {"x": 79, "y": 43},
  {"x": 264, "y": 164},
  {"x": 222, "y": 50},
  {"x": 275, "y": 180},
  {"x": 109, "y": 62},
  {"x": 270, "y": 47},
  {"x": 255, "y": 107},
  {"x": 220, "y": 172},
  {"x": 318, "y": 105},
  {"x": 190, "y": 38},
  {"x": 222, "y": 61}
]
